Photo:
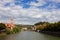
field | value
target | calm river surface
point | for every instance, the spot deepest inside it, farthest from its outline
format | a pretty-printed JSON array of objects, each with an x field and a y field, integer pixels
[{"x": 29, "y": 35}]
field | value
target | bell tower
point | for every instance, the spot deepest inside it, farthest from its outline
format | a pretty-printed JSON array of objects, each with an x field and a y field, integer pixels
[{"x": 12, "y": 23}]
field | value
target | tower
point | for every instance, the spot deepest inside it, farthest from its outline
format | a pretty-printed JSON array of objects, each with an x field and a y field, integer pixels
[{"x": 12, "y": 23}]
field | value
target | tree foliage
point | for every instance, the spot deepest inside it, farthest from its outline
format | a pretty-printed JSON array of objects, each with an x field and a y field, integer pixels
[
  {"x": 2, "y": 26},
  {"x": 46, "y": 26}
]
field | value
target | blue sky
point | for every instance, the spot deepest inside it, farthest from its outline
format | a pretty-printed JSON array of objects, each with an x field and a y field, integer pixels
[{"x": 30, "y": 11}]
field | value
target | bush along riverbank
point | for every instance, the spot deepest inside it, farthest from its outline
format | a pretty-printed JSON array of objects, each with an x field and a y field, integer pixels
[
  {"x": 8, "y": 31},
  {"x": 4, "y": 30},
  {"x": 13, "y": 31},
  {"x": 48, "y": 28}
]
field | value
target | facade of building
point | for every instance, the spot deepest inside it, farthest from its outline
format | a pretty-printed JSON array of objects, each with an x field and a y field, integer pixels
[
  {"x": 24, "y": 29},
  {"x": 10, "y": 25}
]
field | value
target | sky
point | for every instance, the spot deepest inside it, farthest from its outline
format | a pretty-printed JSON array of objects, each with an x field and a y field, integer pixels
[{"x": 29, "y": 11}]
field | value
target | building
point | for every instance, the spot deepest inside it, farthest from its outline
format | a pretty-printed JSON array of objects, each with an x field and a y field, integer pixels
[
  {"x": 34, "y": 28},
  {"x": 10, "y": 25},
  {"x": 24, "y": 29}
]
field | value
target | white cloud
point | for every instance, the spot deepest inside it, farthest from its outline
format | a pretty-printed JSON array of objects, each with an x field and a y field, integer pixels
[
  {"x": 18, "y": 12},
  {"x": 40, "y": 3},
  {"x": 55, "y": 0}
]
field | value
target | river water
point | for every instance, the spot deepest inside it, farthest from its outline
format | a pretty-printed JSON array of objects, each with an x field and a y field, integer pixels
[{"x": 29, "y": 35}]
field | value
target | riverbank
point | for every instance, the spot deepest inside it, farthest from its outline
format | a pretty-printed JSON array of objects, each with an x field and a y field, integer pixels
[{"x": 51, "y": 33}]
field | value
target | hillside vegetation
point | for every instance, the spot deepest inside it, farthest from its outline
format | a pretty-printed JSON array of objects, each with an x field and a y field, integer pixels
[{"x": 46, "y": 26}]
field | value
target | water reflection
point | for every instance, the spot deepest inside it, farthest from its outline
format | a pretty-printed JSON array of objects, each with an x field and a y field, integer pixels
[
  {"x": 10, "y": 37},
  {"x": 2, "y": 37},
  {"x": 7, "y": 37},
  {"x": 28, "y": 35}
]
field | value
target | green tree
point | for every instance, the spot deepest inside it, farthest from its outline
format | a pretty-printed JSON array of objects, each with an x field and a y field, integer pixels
[{"x": 2, "y": 26}]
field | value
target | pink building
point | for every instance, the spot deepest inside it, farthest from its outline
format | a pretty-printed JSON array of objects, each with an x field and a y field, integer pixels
[{"x": 10, "y": 25}]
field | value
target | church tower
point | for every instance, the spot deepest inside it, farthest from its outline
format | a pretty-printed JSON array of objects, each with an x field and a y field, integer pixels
[{"x": 12, "y": 23}]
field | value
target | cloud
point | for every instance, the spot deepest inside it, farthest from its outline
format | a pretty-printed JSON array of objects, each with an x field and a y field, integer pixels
[
  {"x": 40, "y": 3},
  {"x": 50, "y": 12},
  {"x": 54, "y": 1}
]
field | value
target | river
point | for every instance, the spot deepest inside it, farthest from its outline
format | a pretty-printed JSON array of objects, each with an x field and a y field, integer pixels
[{"x": 29, "y": 35}]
